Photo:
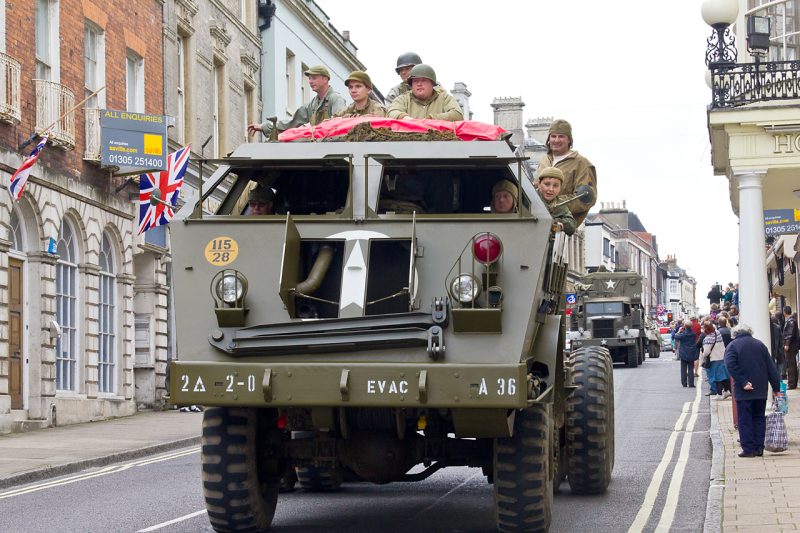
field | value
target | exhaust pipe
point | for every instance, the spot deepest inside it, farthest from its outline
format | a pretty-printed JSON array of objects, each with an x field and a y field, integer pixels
[{"x": 318, "y": 271}]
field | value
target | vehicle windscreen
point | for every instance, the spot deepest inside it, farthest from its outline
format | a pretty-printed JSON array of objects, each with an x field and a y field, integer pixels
[{"x": 604, "y": 308}]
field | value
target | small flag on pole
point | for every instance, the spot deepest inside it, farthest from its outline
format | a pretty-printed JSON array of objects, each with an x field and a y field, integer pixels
[
  {"x": 169, "y": 182},
  {"x": 20, "y": 177}
]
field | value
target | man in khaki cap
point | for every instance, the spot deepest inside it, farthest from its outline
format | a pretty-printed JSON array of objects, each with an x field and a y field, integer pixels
[
  {"x": 504, "y": 197},
  {"x": 323, "y": 106},
  {"x": 426, "y": 99},
  {"x": 359, "y": 85},
  {"x": 260, "y": 200},
  {"x": 577, "y": 170}
]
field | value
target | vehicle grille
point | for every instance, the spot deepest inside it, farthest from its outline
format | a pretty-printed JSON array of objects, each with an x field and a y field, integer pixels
[{"x": 603, "y": 328}]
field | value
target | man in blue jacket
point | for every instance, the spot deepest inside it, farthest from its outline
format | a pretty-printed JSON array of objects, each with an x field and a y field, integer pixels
[
  {"x": 688, "y": 352},
  {"x": 751, "y": 367}
]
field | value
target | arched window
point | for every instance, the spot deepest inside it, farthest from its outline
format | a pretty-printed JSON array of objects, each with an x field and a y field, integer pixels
[
  {"x": 17, "y": 242},
  {"x": 66, "y": 308},
  {"x": 107, "y": 356}
]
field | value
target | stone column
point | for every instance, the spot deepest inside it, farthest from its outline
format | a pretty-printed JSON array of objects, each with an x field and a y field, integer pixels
[{"x": 753, "y": 291}]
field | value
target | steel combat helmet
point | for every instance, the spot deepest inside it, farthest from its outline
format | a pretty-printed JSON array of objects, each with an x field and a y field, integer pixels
[
  {"x": 422, "y": 71},
  {"x": 409, "y": 59}
]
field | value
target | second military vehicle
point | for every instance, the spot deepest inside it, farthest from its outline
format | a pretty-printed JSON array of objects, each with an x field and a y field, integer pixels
[
  {"x": 609, "y": 313},
  {"x": 381, "y": 325}
]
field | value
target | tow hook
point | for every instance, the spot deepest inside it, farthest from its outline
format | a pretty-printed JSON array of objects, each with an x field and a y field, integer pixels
[
  {"x": 439, "y": 310},
  {"x": 436, "y": 343}
]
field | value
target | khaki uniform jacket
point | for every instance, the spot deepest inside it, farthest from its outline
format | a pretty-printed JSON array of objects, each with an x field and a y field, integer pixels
[
  {"x": 373, "y": 109},
  {"x": 577, "y": 171},
  {"x": 561, "y": 213},
  {"x": 441, "y": 106},
  {"x": 313, "y": 112},
  {"x": 397, "y": 90}
]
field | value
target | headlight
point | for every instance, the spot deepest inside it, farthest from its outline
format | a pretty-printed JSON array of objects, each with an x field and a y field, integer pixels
[
  {"x": 626, "y": 328},
  {"x": 465, "y": 288},
  {"x": 230, "y": 286}
]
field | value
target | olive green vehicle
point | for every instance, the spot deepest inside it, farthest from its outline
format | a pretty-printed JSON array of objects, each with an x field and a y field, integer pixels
[
  {"x": 610, "y": 314},
  {"x": 381, "y": 325}
]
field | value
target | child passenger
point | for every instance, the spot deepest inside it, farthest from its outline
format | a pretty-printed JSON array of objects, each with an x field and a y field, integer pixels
[{"x": 550, "y": 181}]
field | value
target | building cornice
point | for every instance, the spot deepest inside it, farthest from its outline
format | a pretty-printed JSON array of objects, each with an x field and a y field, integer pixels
[
  {"x": 325, "y": 33},
  {"x": 244, "y": 30}
]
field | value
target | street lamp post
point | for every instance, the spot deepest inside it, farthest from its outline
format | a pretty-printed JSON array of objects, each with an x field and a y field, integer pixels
[{"x": 720, "y": 14}]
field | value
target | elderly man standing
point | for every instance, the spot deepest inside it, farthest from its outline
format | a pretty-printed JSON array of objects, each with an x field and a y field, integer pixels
[
  {"x": 751, "y": 368},
  {"x": 576, "y": 168},
  {"x": 323, "y": 106},
  {"x": 405, "y": 63},
  {"x": 426, "y": 99}
]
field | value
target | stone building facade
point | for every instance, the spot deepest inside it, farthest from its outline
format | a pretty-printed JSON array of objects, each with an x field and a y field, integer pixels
[{"x": 67, "y": 246}]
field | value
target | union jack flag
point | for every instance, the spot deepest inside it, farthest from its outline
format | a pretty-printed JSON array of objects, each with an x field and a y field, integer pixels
[
  {"x": 20, "y": 177},
  {"x": 169, "y": 182}
]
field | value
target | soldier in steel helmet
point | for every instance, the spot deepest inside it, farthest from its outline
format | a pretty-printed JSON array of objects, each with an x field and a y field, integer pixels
[
  {"x": 576, "y": 169},
  {"x": 359, "y": 85},
  {"x": 323, "y": 106},
  {"x": 549, "y": 186},
  {"x": 425, "y": 99},
  {"x": 405, "y": 63}
]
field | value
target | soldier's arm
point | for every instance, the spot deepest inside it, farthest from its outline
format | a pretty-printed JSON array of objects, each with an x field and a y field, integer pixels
[
  {"x": 398, "y": 107},
  {"x": 585, "y": 174},
  {"x": 338, "y": 104},
  {"x": 564, "y": 216}
]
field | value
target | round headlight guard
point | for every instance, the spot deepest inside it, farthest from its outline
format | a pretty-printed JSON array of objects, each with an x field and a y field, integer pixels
[
  {"x": 465, "y": 288},
  {"x": 230, "y": 287}
]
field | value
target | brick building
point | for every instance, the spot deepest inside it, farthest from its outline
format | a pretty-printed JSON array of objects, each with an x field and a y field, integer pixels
[{"x": 68, "y": 246}]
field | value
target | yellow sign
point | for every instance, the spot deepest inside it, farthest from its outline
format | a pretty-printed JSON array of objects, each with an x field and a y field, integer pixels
[
  {"x": 221, "y": 251},
  {"x": 153, "y": 144}
]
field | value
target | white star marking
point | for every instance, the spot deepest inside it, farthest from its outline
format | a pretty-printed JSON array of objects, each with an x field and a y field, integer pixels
[{"x": 610, "y": 284}]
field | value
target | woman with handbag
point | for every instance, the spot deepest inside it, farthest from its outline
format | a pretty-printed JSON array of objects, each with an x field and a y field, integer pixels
[{"x": 714, "y": 362}]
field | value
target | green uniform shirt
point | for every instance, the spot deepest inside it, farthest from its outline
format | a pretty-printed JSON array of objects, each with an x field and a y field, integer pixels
[
  {"x": 312, "y": 113},
  {"x": 373, "y": 109}
]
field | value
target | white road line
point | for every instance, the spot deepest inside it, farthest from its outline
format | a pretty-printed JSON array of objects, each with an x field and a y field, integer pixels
[
  {"x": 439, "y": 499},
  {"x": 673, "y": 494},
  {"x": 170, "y": 522},
  {"x": 658, "y": 476},
  {"x": 113, "y": 469}
]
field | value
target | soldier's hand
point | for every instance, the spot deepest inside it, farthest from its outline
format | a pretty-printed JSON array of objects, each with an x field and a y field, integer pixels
[{"x": 253, "y": 128}]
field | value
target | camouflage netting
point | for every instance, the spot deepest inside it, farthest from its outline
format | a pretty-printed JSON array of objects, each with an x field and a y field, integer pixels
[{"x": 365, "y": 132}]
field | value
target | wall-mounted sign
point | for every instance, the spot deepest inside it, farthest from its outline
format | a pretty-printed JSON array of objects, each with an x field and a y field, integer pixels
[
  {"x": 133, "y": 140},
  {"x": 781, "y": 221}
]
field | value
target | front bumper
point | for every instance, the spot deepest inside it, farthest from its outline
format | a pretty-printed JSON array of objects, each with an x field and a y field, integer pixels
[{"x": 348, "y": 385}]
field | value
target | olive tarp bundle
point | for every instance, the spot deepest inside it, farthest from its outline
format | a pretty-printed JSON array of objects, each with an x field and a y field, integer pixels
[{"x": 365, "y": 132}]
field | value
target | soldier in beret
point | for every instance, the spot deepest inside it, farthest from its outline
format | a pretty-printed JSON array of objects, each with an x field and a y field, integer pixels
[
  {"x": 504, "y": 197},
  {"x": 550, "y": 182},
  {"x": 260, "y": 200},
  {"x": 359, "y": 85},
  {"x": 576, "y": 169},
  {"x": 323, "y": 106}
]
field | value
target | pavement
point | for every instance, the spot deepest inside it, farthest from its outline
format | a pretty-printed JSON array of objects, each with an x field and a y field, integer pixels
[
  {"x": 745, "y": 494},
  {"x": 753, "y": 494},
  {"x": 51, "y": 452}
]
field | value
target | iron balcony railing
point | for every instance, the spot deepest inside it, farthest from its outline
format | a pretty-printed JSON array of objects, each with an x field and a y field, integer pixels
[
  {"x": 52, "y": 101},
  {"x": 738, "y": 84},
  {"x": 9, "y": 90},
  {"x": 91, "y": 151}
]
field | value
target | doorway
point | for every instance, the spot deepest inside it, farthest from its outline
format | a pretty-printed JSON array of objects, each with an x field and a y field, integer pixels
[{"x": 15, "y": 322}]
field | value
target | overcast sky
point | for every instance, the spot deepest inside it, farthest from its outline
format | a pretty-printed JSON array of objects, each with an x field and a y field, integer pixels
[{"x": 628, "y": 75}]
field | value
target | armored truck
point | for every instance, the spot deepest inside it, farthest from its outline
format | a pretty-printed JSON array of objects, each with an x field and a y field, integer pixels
[
  {"x": 380, "y": 325},
  {"x": 609, "y": 313}
]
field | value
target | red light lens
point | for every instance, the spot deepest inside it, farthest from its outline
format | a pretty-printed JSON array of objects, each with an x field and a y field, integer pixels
[
  {"x": 487, "y": 248},
  {"x": 282, "y": 422}
]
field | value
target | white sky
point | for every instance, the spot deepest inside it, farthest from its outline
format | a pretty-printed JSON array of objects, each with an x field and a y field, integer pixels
[{"x": 628, "y": 75}]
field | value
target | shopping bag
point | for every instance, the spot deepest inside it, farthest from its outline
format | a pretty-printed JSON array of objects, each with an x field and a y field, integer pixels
[
  {"x": 783, "y": 403},
  {"x": 776, "y": 439}
]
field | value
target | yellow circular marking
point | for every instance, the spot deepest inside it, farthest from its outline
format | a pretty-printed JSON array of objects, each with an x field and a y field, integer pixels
[{"x": 221, "y": 251}]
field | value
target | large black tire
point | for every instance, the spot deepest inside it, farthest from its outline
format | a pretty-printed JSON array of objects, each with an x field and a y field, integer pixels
[
  {"x": 632, "y": 358},
  {"x": 240, "y": 490},
  {"x": 319, "y": 478},
  {"x": 523, "y": 482},
  {"x": 590, "y": 421}
]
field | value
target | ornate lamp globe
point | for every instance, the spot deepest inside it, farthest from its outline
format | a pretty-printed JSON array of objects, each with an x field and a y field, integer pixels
[{"x": 719, "y": 13}]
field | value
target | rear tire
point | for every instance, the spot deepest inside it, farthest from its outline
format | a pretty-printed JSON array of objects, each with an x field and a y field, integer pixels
[
  {"x": 655, "y": 350},
  {"x": 632, "y": 358},
  {"x": 241, "y": 468},
  {"x": 319, "y": 478},
  {"x": 590, "y": 422},
  {"x": 523, "y": 481}
]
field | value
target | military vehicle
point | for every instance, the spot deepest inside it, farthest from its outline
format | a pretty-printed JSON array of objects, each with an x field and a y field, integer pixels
[
  {"x": 383, "y": 324},
  {"x": 609, "y": 313}
]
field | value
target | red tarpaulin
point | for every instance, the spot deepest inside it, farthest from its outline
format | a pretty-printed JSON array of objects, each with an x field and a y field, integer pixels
[{"x": 466, "y": 130}]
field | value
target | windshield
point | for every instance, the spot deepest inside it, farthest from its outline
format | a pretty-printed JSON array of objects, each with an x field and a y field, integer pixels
[{"x": 604, "y": 308}]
